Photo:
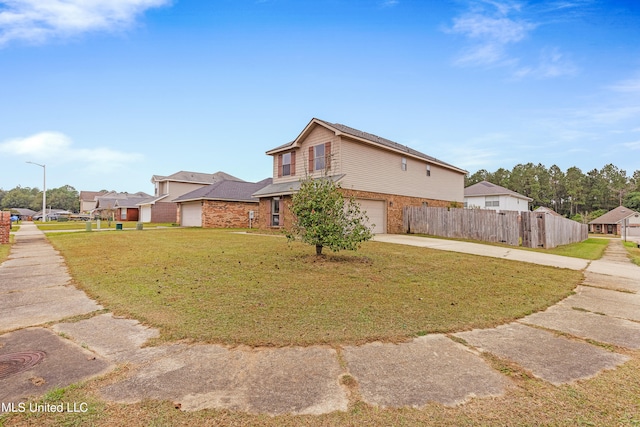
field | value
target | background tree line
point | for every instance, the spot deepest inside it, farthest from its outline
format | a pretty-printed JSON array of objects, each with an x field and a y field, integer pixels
[
  {"x": 65, "y": 197},
  {"x": 573, "y": 193}
]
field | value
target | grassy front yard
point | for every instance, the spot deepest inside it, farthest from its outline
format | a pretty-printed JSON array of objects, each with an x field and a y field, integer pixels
[
  {"x": 634, "y": 252},
  {"x": 215, "y": 286}
]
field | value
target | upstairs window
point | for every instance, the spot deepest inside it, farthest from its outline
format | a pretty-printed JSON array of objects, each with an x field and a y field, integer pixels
[
  {"x": 428, "y": 170},
  {"x": 286, "y": 164},
  {"x": 404, "y": 164},
  {"x": 318, "y": 157}
]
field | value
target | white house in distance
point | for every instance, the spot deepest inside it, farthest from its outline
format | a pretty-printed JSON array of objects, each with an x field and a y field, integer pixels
[{"x": 485, "y": 195}]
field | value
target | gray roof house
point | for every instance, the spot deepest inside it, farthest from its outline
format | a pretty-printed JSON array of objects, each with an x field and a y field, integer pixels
[
  {"x": 224, "y": 204},
  {"x": 613, "y": 222},
  {"x": 486, "y": 195},
  {"x": 161, "y": 207},
  {"x": 382, "y": 175}
]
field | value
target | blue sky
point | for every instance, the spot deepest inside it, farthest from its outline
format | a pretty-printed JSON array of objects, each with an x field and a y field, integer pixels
[{"x": 107, "y": 93}]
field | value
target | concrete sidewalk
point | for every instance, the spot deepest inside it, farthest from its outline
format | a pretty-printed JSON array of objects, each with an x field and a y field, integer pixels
[
  {"x": 512, "y": 254},
  {"x": 304, "y": 380}
]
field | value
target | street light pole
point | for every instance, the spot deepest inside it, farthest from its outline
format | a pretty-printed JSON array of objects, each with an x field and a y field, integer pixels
[{"x": 44, "y": 190}]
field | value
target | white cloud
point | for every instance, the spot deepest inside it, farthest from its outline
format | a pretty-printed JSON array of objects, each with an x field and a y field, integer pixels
[
  {"x": 490, "y": 31},
  {"x": 494, "y": 27},
  {"x": 390, "y": 3},
  {"x": 37, "y": 21},
  {"x": 57, "y": 148},
  {"x": 627, "y": 86},
  {"x": 632, "y": 145},
  {"x": 552, "y": 63}
]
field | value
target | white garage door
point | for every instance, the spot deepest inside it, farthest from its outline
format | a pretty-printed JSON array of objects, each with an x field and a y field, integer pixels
[
  {"x": 375, "y": 210},
  {"x": 145, "y": 213},
  {"x": 191, "y": 214}
]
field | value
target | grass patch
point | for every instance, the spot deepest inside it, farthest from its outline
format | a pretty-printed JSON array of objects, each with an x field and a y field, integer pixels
[
  {"x": 215, "y": 286},
  {"x": 589, "y": 249},
  {"x": 5, "y": 249},
  {"x": 634, "y": 252}
]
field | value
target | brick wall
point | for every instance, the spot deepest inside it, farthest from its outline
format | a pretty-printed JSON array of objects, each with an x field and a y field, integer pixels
[
  {"x": 5, "y": 227},
  {"x": 164, "y": 212},
  {"x": 265, "y": 212},
  {"x": 220, "y": 214},
  {"x": 394, "y": 205}
]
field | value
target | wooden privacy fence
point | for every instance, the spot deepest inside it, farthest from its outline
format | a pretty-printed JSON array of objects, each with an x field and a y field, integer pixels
[{"x": 533, "y": 229}]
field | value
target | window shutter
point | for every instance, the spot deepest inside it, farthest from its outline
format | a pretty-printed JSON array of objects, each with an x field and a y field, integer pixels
[
  {"x": 327, "y": 155},
  {"x": 310, "y": 160},
  {"x": 279, "y": 165},
  {"x": 293, "y": 163}
]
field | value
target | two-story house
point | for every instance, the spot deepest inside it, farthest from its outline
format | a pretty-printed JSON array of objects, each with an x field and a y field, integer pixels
[
  {"x": 382, "y": 175},
  {"x": 162, "y": 207}
]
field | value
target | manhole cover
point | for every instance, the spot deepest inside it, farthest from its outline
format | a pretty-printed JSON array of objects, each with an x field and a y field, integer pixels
[{"x": 13, "y": 363}]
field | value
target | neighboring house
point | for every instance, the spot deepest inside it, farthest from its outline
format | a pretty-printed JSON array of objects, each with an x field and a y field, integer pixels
[
  {"x": 88, "y": 200},
  {"x": 382, "y": 175},
  {"x": 23, "y": 214},
  {"x": 120, "y": 206},
  {"x": 225, "y": 204},
  {"x": 543, "y": 209},
  {"x": 485, "y": 195},
  {"x": 161, "y": 207},
  {"x": 613, "y": 222}
]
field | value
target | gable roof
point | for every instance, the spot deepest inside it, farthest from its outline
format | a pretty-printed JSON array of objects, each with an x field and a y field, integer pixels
[
  {"x": 91, "y": 195},
  {"x": 614, "y": 216},
  {"x": 544, "y": 209},
  {"x": 486, "y": 188},
  {"x": 114, "y": 199},
  {"x": 365, "y": 137},
  {"x": 229, "y": 190},
  {"x": 196, "y": 177}
]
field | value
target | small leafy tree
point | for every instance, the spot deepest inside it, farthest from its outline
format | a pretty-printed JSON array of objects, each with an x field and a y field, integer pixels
[{"x": 323, "y": 217}]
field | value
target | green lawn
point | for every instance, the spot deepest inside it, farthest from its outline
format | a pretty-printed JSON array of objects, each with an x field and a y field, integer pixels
[
  {"x": 4, "y": 249},
  {"x": 215, "y": 286},
  {"x": 634, "y": 252}
]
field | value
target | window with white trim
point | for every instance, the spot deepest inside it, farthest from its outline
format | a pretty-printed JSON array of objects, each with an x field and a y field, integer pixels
[
  {"x": 491, "y": 201},
  {"x": 286, "y": 164},
  {"x": 275, "y": 211},
  {"x": 404, "y": 164},
  {"x": 319, "y": 157},
  {"x": 428, "y": 170}
]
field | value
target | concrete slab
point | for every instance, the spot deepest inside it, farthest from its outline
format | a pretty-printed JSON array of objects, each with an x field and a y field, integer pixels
[
  {"x": 485, "y": 250},
  {"x": 612, "y": 303},
  {"x": 64, "y": 363},
  {"x": 16, "y": 311},
  {"x": 617, "y": 269},
  {"x": 432, "y": 368},
  {"x": 16, "y": 281},
  {"x": 35, "y": 261},
  {"x": 605, "y": 329},
  {"x": 612, "y": 282},
  {"x": 274, "y": 381},
  {"x": 554, "y": 359},
  {"x": 113, "y": 338},
  {"x": 33, "y": 270}
]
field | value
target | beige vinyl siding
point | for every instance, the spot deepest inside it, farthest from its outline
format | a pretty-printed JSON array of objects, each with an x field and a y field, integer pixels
[
  {"x": 369, "y": 168},
  {"x": 177, "y": 189},
  {"x": 319, "y": 135}
]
